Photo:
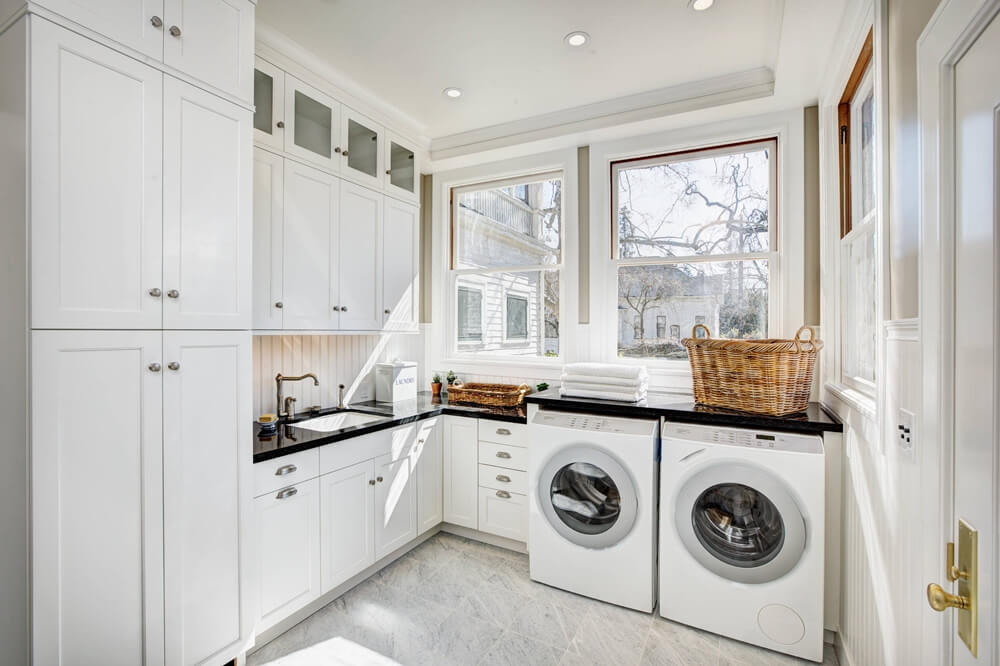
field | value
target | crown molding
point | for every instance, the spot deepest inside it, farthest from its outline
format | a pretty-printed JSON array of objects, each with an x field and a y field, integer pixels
[{"x": 693, "y": 96}]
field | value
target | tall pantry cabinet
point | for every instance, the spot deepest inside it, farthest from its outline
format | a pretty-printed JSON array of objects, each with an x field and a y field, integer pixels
[{"x": 127, "y": 246}]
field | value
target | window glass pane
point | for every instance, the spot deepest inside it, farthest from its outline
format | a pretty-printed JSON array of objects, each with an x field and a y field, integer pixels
[
  {"x": 362, "y": 148},
  {"x": 510, "y": 226},
  {"x": 263, "y": 94},
  {"x": 731, "y": 296},
  {"x": 515, "y": 313},
  {"x": 313, "y": 125},
  {"x": 715, "y": 204},
  {"x": 867, "y": 156},
  {"x": 859, "y": 307},
  {"x": 401, "y": 167}
]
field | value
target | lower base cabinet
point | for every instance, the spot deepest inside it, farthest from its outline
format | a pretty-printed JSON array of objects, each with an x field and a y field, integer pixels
[
  {"x": 428, "y": 464},
  {"x": 503, "y": 513},
  {"x": 461, "y": 471},
  {"x": 395, "y": 503},
  {"x": 347, "y": 512}
]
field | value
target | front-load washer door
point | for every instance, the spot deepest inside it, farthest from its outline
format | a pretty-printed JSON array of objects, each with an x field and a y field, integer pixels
[
  {"x": 587, "y": 496},
  {"x": 740, "y": 521}
]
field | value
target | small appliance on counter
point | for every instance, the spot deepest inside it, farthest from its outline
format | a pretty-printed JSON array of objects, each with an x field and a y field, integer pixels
[{"x": 396, "y": 381}]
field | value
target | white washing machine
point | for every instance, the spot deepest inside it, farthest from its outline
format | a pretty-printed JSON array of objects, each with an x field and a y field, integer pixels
[
  {"x": 741, "y": 535},
  {"x": 592, "y": 519}
]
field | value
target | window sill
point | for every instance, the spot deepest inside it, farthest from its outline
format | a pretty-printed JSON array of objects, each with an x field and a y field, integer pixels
[{"x": 860, "y": 402}]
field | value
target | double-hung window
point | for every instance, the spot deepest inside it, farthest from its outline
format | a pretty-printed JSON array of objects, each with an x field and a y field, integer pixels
[
  {"x": 506, "y": 259},
  {"x": 694, "y": 243}
]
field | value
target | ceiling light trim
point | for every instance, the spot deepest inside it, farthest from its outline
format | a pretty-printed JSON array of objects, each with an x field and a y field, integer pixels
[{"x": 577, "y": 38}]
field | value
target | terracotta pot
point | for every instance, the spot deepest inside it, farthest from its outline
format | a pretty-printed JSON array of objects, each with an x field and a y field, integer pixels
[{"x": 435, "y": 388}]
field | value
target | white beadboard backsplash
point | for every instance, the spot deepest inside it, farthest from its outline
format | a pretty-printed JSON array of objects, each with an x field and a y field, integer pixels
[{"x": 336, "y": 359}]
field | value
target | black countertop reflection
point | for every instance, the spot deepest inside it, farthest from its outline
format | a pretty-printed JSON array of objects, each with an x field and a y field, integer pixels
[
  {"x": 289, "y": 439},
  {"x": 815, "y": 420}
]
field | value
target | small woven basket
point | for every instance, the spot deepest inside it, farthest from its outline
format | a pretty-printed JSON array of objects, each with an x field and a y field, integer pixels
[
  {"x": 493, "y": 395},
  {"x": 758, "y": 376}
]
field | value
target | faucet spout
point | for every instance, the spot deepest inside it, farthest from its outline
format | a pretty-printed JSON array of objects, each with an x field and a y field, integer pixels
[{"x": 279, "y": 379}]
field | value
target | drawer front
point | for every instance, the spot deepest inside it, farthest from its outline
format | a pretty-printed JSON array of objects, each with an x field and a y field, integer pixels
[
  {"x": 271, "y": 475},
  {"x": 501, "y": 432},
  {"x": 503, "y": 513},
  {"x": 347, "y": 452},
  {"x": 498, "y": 478},
  {"x": 501, "y": 455}
]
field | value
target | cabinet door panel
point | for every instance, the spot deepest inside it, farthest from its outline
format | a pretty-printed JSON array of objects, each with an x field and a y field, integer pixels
[
  {"x": 312, "y": 125},
  {"x": 400, "y": 247},
  {"x": 359, "y": 253},
  {"x": 97, "y": 540},
  {"x": 269, "y": 105},
  {"x": 402, "y": 168},
  {"x": 347, "y": 512},
  {"x": 96, "y": 185},
  {"x": 208, "y": 495},
  {"x": 363, "y": 139},
  {"x": 395, "y": 504},
  {"x": 207, "y": 210},
  {"x": 268, "y": 229},
  {"x": 310, "y": 275},
  {"x": 503, "y": 513},
  {"x": 128, "y": 22},
  {"x": 288, "y": 534},
  {"x": 461, "y": 472},
  {"x": 214, "y": 44},
  {"x": 428, "y": 464}
]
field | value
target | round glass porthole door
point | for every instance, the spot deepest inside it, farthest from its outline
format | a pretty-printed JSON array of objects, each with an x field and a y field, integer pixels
[
  {"x": 740, "y": 521},
  {"x": 588, "y": 497}
]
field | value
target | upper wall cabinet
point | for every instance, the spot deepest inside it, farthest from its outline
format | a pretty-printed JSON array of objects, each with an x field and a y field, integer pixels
[
  {"x": 269, "y": 105},
  {"x": 402, "y": 173},
  {"x": 312, "y": 125},
  {"x": 363, "y": 138},
  {"x": 208, "y": 40},
  {"x": 400, "y": 247}
]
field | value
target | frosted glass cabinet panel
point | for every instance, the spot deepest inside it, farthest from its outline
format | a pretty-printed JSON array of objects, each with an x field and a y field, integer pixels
[
  {"x": 363, "y": 143},
  {"x": 402, "y": 169},
  {"x": 312, "y": 125},
  {"x": 269, "y": 105}
]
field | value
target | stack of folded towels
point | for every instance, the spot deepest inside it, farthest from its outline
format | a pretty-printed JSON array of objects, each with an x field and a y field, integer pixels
[{"x": 605, "y": 381}]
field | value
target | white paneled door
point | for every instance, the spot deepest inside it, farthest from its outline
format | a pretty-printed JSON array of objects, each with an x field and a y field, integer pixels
[
  {"x": 96, "y": 494},
  {"x": 461, "y": 471},
  {"x": 359, "y": 247},
  {"x": 400, "y": 246},
  {"x": 347, "y": 512},
  {"x": 208, "y": 495},
  {"x": 207, "y": 210},
  {"x": 395, "y": 503},
  {"x": 268, "y": 236},
  {"x": 96, "y": 182},
  {"x": 132, "y": 23},
  {"x": 428, "y": 465}
]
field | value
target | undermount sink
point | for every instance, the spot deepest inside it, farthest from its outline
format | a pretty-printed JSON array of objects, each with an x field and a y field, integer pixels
[{"x": 337, "y": 421}]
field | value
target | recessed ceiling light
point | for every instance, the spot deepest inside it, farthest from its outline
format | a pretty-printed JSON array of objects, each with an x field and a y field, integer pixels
[
  {"x": 701, "y": 5},
  {"x": 453, "y": 93},
  {"x": 577, "y": 38}
]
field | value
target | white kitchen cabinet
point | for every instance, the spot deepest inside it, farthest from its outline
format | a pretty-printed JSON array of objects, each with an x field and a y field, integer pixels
[
  {"x": 311, "y": 212},
  {"x": 97, "y": 500},
  {"x": 131, "y": 23},
  {"x": 395, "y": 503},
  {"x": 269, "y": 105},
  {"x": 402, "y": 168},
  {"x": 96, "y": 185},
  {"x": 207, "y": 210},
  {"x": 400, "y": 261},
  {"x": 209, "y": 578},
  {"x": 461, "y": 473},
  {"x": 347, "y": 514},
  {"x": 288, "y": 534},
  {"x": 503, "y": 513},
  {"x": 268, "y": 237},
  {"x": 428, "y": 467},
  {"x": 312, "y": 125},
  {"x": 212, "y": 41},
  {"x": 363, "y": 159},
  {"x": 359, "y": 250}
]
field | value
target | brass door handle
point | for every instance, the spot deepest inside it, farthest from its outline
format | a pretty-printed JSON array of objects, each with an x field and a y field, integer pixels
[{"x": 940, "y": 600}]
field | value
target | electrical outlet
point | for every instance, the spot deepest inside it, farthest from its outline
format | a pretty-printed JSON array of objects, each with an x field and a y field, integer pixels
[{"x": 906, "y": 431}]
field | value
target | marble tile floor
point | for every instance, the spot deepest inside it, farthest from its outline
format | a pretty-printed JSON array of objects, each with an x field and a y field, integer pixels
[{"x": 462, "y": 602}]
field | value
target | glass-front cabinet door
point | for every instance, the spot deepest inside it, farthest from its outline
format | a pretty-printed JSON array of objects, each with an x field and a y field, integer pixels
[
  {"x": 363, "y": 139},
  {"x": 402, "y": 172},
  {"x": 312, "y": 125},
  {"x": 269, "y": 105}
]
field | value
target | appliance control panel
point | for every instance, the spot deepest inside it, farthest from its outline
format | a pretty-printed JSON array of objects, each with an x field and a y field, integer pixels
[
  {"x": 596, "y": 424},
  {"x": 745, "y": 438}
]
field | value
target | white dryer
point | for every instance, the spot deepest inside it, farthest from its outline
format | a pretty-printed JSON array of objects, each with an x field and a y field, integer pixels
[
  {"x": 592, "y": 519},
  {"x": 741, "y": 535}
]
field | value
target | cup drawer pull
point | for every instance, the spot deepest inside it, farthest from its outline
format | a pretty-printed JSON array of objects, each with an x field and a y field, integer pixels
[
  {"x": 285, "y": 469},
  {"x": 287, "y": 492},
  {"x": 503, "y": 454},
  {"x": 503, "y": 478},
  {"x": 503, "y": 431},
  {"x": 503, "y": 494}
]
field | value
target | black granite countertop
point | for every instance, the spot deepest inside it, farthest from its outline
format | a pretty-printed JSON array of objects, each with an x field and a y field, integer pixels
[
  {"x": 815, "y": 420},
  {"x": 289, "y": 439}
]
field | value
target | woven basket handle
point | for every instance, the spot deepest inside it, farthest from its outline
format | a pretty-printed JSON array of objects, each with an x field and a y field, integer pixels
[
  {"x": 798, "y": 337},
  {"x": 694, "y": 331}
]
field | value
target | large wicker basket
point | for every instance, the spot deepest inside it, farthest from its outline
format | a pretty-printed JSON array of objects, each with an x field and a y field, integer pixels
[
  {"x": 493, "y": 395},
  {"x": 759, "y": 376}
]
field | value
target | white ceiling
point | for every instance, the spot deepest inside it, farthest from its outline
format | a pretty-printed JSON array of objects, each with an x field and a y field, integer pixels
[{"x": 509, "y": 58}]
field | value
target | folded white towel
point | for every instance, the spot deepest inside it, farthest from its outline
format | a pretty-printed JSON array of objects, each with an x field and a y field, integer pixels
[
  {"x": 635, "y": 396},
  {"x": 614, "y": 388},
  {"x": 614, "y": 382},
  {"x": 606, "y": 370}
]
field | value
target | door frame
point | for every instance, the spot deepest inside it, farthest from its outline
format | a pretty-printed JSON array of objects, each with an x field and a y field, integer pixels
[{"x": 951, "y": 31}]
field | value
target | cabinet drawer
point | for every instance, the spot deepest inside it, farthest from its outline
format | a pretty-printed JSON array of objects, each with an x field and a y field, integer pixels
[
  {"x": 501, "y": 432},
  {"x": 499, "y": 478},
  {"x": 503, "y": 513},
  {"x": 287, "y": 470},
  {"x": 500, "y": 455},
  {"x": 351, "y": 451}
]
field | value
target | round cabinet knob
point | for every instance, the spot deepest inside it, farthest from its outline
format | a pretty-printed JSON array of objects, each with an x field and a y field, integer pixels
[
  {"x": 175, "y": 31},
  {"x": 173, "y": 293},
  {"x": 154, "y": 367},
  {"x": 371, "y": 482},
  {"x": 336, "y": 308},
  {"x": 281, "y": 124},
  {"x": 155, "y": 292},
  {"x": 379, "y": 479},
  {"x": 388, "y": 171},
  {"x": 156, "y": 21},
  {"x": 337, "y": 150},
  {"x": 174, "y": 365},
  {"x": 388, "y": 311},
  {"x": 344, "y": 153},
  {"x": 279, "y": 305},
  {"x": 343, "y": 308}
]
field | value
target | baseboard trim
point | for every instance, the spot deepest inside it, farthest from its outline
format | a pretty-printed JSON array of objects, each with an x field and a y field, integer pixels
[{"x": 491, "y": 539}]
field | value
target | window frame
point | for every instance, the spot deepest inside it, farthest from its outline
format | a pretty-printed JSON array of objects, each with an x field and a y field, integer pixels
[{"x": 509, "y": 293}]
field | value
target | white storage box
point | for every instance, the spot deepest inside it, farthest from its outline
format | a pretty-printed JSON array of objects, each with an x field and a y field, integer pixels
[{"x": 395, "y": 382}]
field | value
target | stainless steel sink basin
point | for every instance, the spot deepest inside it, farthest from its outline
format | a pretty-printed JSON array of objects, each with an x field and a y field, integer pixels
[{"x": 338, "y": 421}]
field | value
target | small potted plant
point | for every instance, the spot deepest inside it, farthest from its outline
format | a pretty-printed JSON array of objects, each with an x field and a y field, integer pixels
[
  {"x": 436, "y": 385},
  {"x": 452, "y": 377}
]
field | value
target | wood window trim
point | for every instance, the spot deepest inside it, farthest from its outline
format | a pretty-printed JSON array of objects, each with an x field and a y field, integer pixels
[{"x": 844, "y": 130}]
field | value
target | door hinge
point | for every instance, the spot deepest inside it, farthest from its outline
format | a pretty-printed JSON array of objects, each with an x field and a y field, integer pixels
[{"x": 843, "y": 134}]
